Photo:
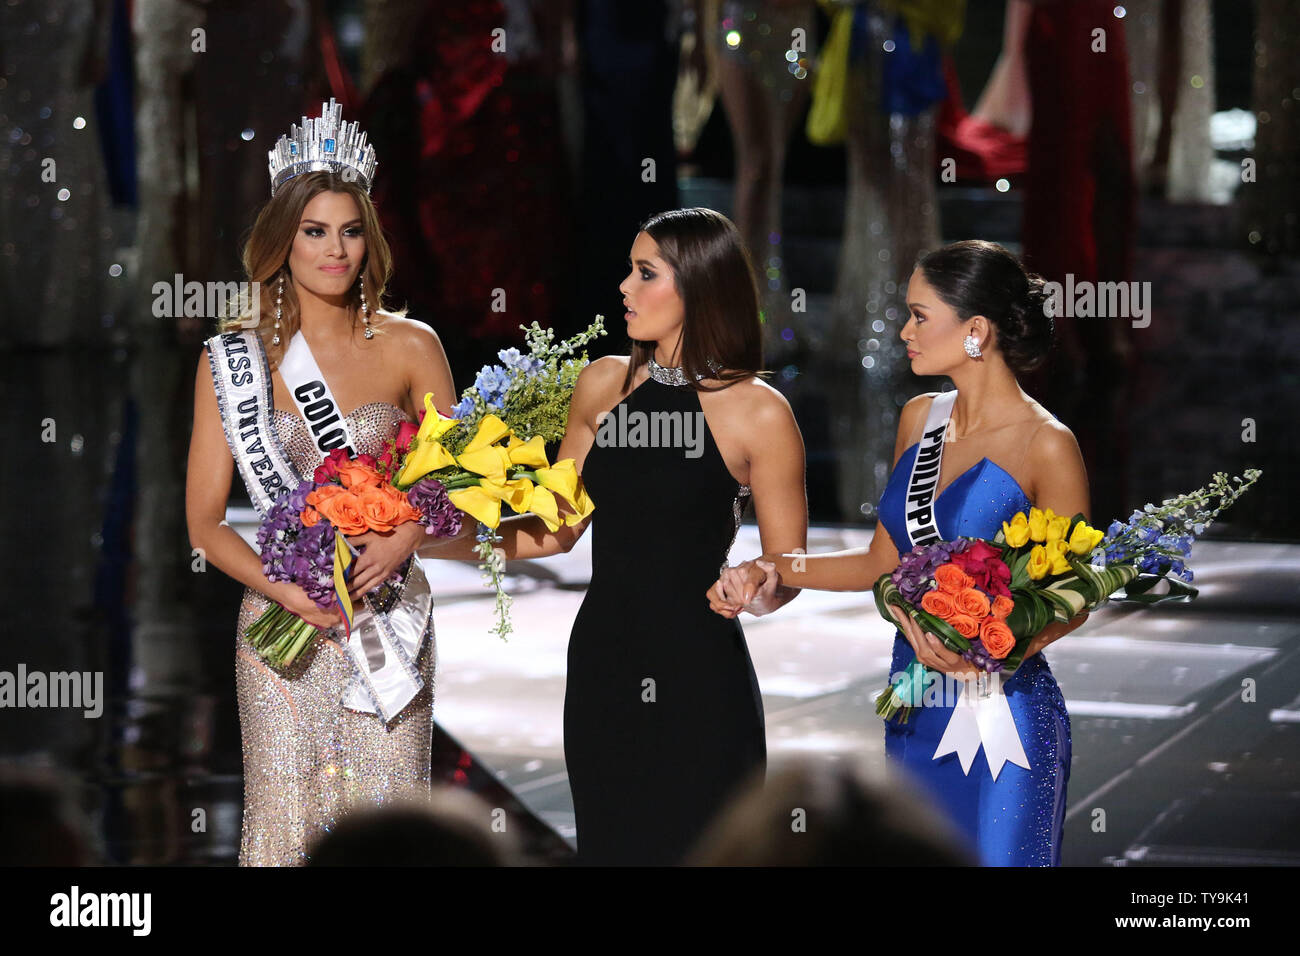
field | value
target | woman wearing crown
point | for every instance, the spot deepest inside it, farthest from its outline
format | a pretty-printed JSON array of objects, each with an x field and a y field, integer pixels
[{"x": 349, "y": 722}]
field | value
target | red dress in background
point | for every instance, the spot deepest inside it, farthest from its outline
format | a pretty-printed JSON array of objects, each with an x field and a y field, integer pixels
[
  {"x": 471, "y": 181},
  {"x": 1080, "y": 219}
]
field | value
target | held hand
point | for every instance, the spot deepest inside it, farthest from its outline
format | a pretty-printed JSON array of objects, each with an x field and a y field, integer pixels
[
  {"x": 295, "y": 599},
  {"x": 931, "y": 651},
  {"x": 746, "y": 587},
  {"x": 384, "y": 553}
]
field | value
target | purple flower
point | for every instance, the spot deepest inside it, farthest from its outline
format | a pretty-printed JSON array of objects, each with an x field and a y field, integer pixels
[
  {"x": 914, "y": 575},
  {"x": 981, "y": 658},
  {"x": 438, "y": 515},
  {"x": 295, "y": 553}
]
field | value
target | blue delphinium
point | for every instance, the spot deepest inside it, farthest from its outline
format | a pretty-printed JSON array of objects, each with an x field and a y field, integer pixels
[
  {"x": 492, "y": 384},
  {"x": 513, "y": 359},
  {"x": 1159, "y": 538},
  {"x": 463, "y": 408}
]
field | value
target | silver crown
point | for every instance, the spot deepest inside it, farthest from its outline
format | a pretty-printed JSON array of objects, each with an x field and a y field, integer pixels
[{"x": 326, "y": 143}]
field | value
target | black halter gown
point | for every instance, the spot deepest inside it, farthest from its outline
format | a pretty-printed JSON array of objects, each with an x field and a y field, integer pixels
[{"x": 662, "y": 714}]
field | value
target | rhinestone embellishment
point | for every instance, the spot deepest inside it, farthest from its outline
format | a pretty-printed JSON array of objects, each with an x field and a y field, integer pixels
[{"x": 673, "y": 376}]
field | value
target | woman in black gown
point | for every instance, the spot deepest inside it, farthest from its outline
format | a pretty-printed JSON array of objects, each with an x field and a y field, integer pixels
[{"x": 662, "y": 713}]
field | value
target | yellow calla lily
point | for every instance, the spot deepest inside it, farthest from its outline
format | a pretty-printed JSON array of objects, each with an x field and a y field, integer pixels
[
  {"x": 584, "y": 505},
  {"x": 562, "y": 479},
  {"x": 1084, "y": 539},
  {"x": 517, "y": 493},
  {"x": 1017, "y": 532},
  {"x": 434, "y": 425},
  {"x": 530, "y": 454},
  {"x": 490, "y": 462},
  {"x": 478, "y": 504},
  {"x": 544, "y": 505},
  {"x": 490, "y": 431},
  {"x": 427, "y": 455}
]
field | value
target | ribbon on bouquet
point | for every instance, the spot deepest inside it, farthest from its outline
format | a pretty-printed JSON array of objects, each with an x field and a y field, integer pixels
[
  {"x": 983, "y": 717},
  {"x": 383, "y": 645}
]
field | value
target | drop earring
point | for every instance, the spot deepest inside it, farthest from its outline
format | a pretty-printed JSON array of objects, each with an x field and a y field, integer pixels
[
  {"x": 365, "y": 309},
  {"x": 972, "y": 345},
  {"x": 279, "y": 297}
]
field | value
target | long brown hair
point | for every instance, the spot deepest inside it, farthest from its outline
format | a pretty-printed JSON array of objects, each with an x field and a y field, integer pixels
[
  {"x": 715, "y": 280},
  {"x": 266, "y": 259}
]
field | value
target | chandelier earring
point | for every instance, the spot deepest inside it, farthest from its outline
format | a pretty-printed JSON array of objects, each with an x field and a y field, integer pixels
[
  {"x": 279, "y": 297},
  {"x": 365, "y": 309}
]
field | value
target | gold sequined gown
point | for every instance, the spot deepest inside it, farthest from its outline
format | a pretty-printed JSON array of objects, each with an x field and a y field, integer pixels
[{"x": 306, "y": 758}]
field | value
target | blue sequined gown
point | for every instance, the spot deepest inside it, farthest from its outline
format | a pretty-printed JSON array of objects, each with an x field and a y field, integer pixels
[{"x": 1017, "y": 819}]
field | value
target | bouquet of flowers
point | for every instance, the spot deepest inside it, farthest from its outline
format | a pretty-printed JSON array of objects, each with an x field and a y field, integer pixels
[
  {"x": 492, "y": 452},
  {"x": 302, "y": 540},
  {"x": 986, "y": 599}
]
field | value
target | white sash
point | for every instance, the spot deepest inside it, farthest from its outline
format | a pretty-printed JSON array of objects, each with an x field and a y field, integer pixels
[
  {"x": 311, "y": 393},
  {"x": 984, "y": 718},
  {"x": 383, "y": 646},
  {"x": 924, "y": 480},
  {"x": 242, "y": 380}
]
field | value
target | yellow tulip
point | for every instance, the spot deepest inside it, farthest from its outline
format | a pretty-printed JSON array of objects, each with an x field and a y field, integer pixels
[
  {"x": 1056, "y": 550},
  {"x": 1084, "y": 539},
  {"x": 1017, "y": 532},
  {"x": 1057, "y": 526},
  {"x": 1039, "y": 562},
  {"x": 1037, "y": 525}
]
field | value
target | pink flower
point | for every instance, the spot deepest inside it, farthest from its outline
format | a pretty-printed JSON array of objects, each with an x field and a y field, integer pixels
[
  {"x": 329, "y": 468},
  {"x": 984, "y": 563},
  {"x": 406, "y": 431}
]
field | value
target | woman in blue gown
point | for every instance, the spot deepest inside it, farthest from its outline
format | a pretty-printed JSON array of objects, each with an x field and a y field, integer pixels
[{"x": 988, "y": 451}]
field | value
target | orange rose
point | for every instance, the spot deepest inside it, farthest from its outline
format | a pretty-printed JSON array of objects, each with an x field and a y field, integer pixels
[
  {"x": 965, "y": 625},
  {"x": 973, "y": 602},
  {"x": 309, "y": 517},
  {"x": 355, "y": 477},
  {"x": 324, "y": 493},
  {"x": 344, "y": 513},
  {"x": 405, "y": 510},
  {"x": 939, "y": 604},
  {"x": 951, "y": 578},
  {"x": 1002, "y": 606},
  {"x": 381, "y": 511},
  {"x": 997, "y": 637}
]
